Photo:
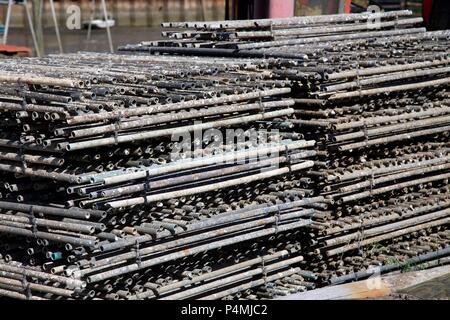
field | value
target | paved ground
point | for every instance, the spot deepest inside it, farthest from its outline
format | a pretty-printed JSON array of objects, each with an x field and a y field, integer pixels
[
  {"x": 429, "y": 284},
  {"x": 437, "y": 288},
  {"x": 74, "y": 41}
]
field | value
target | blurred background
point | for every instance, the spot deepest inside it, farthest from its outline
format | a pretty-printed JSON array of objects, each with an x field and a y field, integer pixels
[{"x": 131, "y": 21}]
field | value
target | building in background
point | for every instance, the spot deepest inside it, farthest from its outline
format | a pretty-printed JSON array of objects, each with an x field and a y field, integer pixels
[
  {"x": 145, "y": 16},
  {"x": 127, "y": 13},
  {"x": 317, "y": 7},
  {"x": 437, "y": 14},
  {"x": 151, "y": 13}
]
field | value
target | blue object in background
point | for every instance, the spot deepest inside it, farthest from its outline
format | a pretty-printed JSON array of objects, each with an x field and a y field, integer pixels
[
  {"x": 56, "y": 256},
  {"x": 2, "y": 28}
]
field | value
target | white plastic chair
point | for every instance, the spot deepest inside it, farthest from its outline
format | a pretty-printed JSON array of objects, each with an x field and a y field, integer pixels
[{"x": 105, "y": 15}]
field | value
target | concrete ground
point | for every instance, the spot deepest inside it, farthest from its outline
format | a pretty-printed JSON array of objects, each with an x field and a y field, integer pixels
[
  {"x": 429, "y": 284},
  {"x": 436, "y": 288},
  {"x": 74, "y": 41}
]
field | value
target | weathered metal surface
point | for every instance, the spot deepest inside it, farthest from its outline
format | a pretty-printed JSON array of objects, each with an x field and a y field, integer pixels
[
  {"x": 425, "y": 284},
  {"x": 356, "y": 177}
]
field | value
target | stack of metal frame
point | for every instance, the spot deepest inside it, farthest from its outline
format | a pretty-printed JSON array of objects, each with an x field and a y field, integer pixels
[
  {"x": 118, "y": 174},
  {"x": 372, "y": 90},
  {"x": 115, "y": 168}
]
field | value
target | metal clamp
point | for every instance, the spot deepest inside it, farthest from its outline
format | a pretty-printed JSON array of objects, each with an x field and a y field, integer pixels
[
  {"x": 146, "y": 186},
  {"x": 372, "y": 180},
  {"x": 20, "y": 91},
  {"x": 358, "y": 79},
  {"x": 262, "y": 109},
  {"x": 117, "y": 127},
  {"x": 22, "y": 158},
  {"x": 32, "y": 218},
  {"x": 361, "y": 237},
  {"x": 361, "y": 228},
  {"x": 371, "y": 183},
  {"x": 138, "y": 258},
  {"x": 288, "y": 158},
  {"x": 21, "y": 88},
  {"x": 365, "y": 130},
  {"x": 277, "y": 219},
  {"x": 26, "y": 287},
  {"x": 264, "y": 271},
  {"x": 271, "y": 29}
]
